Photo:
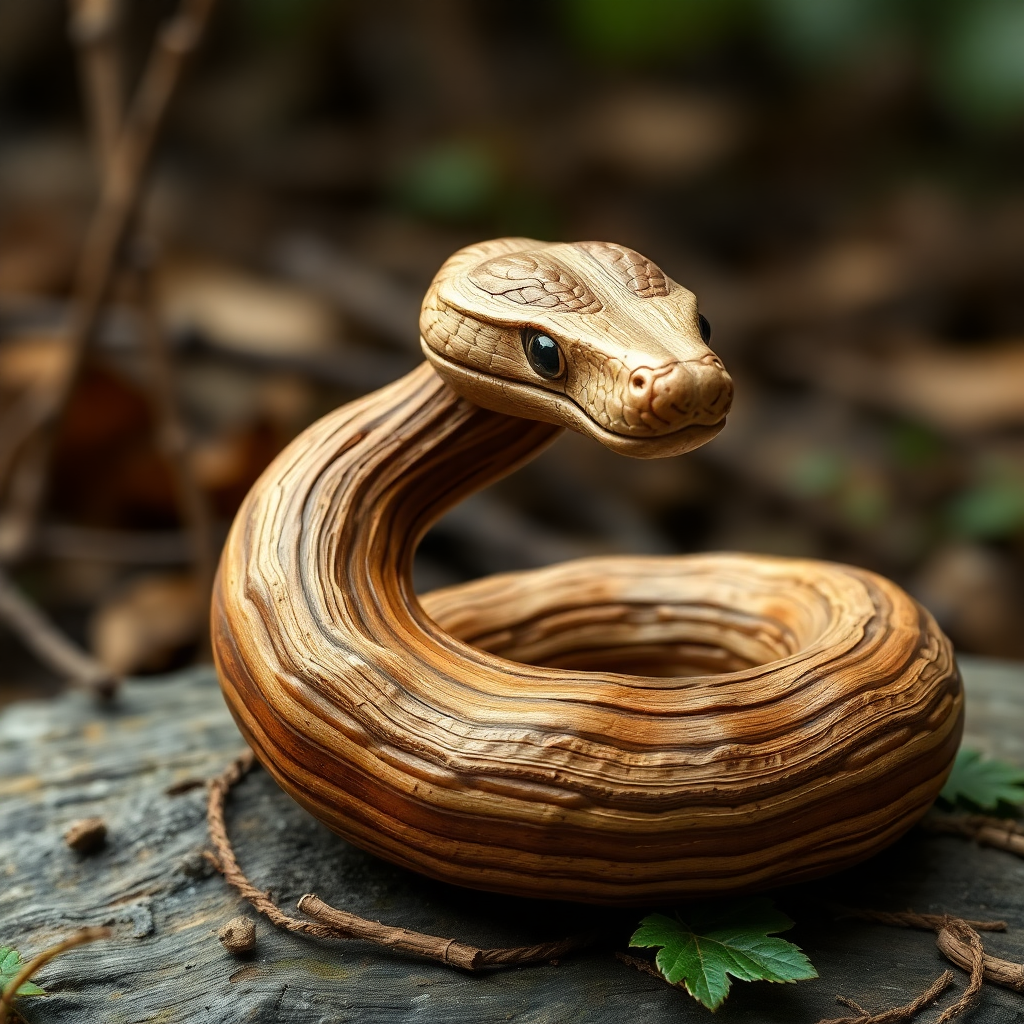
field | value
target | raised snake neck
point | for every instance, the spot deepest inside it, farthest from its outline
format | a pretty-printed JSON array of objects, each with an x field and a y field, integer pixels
[{"x": 463, "y": 761}]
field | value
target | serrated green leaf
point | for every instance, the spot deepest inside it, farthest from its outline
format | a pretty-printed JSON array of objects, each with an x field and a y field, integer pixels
[
  {"x": 715, "y": 942},
  {"x": 10, "y": 964},
  {"x": 983, "y": 783},
  {"x": 9, "y": 960}
]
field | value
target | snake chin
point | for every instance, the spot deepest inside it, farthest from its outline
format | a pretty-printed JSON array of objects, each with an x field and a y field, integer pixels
[{"x": 524, "y": 401}]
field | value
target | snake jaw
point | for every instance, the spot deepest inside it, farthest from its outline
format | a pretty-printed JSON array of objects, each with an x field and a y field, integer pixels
[
  {"x": 528, "y": 401},
  {"x": 639, "y": 378},
  {"x": 651, "y": 398}
]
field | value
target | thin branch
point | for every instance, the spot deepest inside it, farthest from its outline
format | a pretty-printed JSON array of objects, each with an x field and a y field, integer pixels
[
  {"x": 172, "y": 434},
  {"x": 999, "y": 971},
  {"x": 447, "y": 951},
  {"x": 959, "y": 941},
  {"x": 965, "y": 936},
  {"x": 897, "y": 1013},
  {"x": 50, "y": 644},
  {"x": 331, "y": 923},
  {"x": 912, "y": 919},
  {"x": 645, "y": 967},
  {"x": 226, "y": 863},
  {"x": 122, "y": 187},
  {"x": 94, "y": 30},
  {"x": 78, "y": 939},
  {"x": 95, "y": 24},
  {"x": 1001, "y": 833}
]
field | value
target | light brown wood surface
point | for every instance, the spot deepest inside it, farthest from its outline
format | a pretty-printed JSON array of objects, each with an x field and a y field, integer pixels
[{"x": 617, "y": 730}]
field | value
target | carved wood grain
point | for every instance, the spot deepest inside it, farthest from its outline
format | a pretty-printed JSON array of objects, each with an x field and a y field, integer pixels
[{"x": 618, "y": 730}]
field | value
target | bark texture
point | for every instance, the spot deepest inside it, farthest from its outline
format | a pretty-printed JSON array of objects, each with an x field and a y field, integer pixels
[
  {"x": 131, "y": 764},
  {"x": 614, "y": 730}
]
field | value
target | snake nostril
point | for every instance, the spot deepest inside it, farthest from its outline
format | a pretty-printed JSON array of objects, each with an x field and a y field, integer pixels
[
  {"x": 639, "y": 381},
  {"x": 712, "y": 360}
]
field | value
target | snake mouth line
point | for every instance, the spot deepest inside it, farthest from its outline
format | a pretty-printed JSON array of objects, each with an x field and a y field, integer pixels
[
  {"x": 513, "y": 397},
  {"x": 684, "y": 439}
]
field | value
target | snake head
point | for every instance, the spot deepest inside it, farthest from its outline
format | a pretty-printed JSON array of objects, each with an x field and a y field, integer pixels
[{"x": 590, "y": 335}]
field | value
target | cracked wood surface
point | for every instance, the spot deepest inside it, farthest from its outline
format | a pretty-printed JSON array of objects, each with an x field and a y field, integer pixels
[{"x": 133, "y": 765}]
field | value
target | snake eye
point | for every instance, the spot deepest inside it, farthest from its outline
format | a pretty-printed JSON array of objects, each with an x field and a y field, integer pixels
[
  {"x": 544, "y": 355},
  {"x": 705, "y": 328}
]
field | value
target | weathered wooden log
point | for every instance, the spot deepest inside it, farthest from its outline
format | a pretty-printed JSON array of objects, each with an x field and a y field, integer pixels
[
  {"x": 138, "y": 764},
  {"x": 611, "y": 730}
]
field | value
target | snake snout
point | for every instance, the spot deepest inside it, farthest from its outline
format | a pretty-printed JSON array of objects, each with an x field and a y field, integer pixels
[{"x": 662, "y": 399}]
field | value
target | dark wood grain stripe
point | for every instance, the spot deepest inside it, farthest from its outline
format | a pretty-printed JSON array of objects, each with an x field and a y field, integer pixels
[{"x": 419, "y": 730}]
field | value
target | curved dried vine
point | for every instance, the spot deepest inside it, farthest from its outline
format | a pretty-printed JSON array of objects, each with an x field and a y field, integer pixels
[{"x": 330, "y": 923}]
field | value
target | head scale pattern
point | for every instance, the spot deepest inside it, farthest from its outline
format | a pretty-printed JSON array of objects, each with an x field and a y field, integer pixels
[
  {"x": 636, "y": 272},
  {"x": 535, "y": 279},
  {"x": 634, "y": 371}
]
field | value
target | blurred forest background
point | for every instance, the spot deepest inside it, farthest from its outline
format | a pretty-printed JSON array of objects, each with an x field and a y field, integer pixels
[{"x": 839, "y": 181}]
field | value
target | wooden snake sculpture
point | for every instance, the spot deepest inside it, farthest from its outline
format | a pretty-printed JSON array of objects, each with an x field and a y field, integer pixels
[{"x": 613, "y": 730}]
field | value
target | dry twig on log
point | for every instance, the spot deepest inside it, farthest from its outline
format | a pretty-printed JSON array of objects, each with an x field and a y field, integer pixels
[
  {"x": 1000, "y": 972},
  {"x": 912, "y": 919},
  {"x": 897, "y": 1013},
  {"x": 330, "y": 923},
  {"x": 1001, "y": 833},
  {"x": 960, "y": 943}
]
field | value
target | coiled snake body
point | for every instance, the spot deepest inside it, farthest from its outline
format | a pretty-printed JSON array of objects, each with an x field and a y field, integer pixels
[{"x": 616, "y": 730}]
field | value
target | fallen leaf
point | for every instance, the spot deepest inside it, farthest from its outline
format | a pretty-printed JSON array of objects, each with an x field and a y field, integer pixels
[
  {"x": 713, "y": 943},
  {"x": 983, "y": 783},
  {"x": 10, "y": 964}
]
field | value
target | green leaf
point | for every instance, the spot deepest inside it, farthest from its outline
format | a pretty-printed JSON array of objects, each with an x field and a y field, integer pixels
[
  {"x": 10, "y": 964},
  {"x": 983, "y": 783},
  {"x": 817, "y": 473},
  {"x": 721, "y": 940},
  {"x": 454, "y": 180},
  {"x": 990, "y": 510}
]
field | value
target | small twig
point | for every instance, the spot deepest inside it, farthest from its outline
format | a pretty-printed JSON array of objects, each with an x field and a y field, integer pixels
[
  {"x": 966, "y": 936},
  {"x": 226, "y": 863},
  {"x": 50, "y": 644},
  {"x": 644, "y": 966},
  {"x": 858, "y": 1009},
  {"x": 1000, "y": 972},
  {"x": 25, "y": 484},
  {"x": 912, "y": 919},
  {"x": 960, "y": 943},
  {"x": 330, "y": 923},
  {"x": 94, "y": 30},
  {"x": 122, "y": 187},
  {"x": 172, "y": 434},
  {"x": 78, "y": 939},
  {"x": 1001, "y": 833},
  {"x": 448, "y": 951},
  {"x": 897, "y": 1013},
  {"x": 893, "y": 1016}
]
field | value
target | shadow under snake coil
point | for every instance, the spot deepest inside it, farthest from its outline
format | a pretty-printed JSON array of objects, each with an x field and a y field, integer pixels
[{"x": 612, "y": 730}]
